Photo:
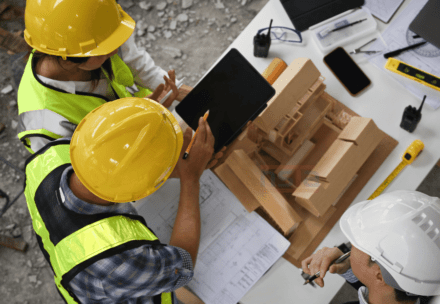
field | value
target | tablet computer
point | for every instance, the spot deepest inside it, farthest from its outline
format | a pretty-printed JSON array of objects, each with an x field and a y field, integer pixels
[{"x": 233, "y": 91}]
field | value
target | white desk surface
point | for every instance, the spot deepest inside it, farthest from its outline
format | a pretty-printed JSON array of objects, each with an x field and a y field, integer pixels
[{"x": 384, "y": 101}]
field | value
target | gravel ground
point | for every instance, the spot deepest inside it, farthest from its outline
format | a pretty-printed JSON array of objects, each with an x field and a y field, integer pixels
[{"x": 187, "y": 35}]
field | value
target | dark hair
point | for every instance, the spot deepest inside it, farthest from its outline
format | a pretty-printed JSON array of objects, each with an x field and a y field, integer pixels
[
  {"x": 96, "y": 74},
  {"x": 401, "y": 296}
]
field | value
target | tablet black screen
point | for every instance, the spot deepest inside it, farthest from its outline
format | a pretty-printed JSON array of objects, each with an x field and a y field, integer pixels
[{"x": 233, "y": 91}]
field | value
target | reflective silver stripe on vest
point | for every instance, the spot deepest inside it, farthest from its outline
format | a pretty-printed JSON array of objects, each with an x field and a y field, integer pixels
[
  {"x": 43, "y": 119},
  {"x": 133, "y": 89}
]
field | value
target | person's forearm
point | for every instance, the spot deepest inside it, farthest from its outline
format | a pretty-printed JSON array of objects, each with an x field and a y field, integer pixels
[
  {"x": 186, "y": 231},
  {"x": 150, "y": 75}
]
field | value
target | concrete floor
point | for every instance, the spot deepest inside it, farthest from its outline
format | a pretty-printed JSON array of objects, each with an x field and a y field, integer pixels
[{"x": 428, "y": 186}]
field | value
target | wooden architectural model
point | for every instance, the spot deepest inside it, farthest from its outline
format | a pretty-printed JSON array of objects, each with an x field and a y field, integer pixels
[{"x": 298, "y": 157}]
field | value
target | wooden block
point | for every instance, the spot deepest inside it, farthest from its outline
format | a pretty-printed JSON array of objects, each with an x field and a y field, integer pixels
[
  {"x": 261, "y": 212},
  {"x": 311, "y": 121},
  {"x": 246, "y": 197},
  {"x": 340, "y": 120},
  {"x": 312, "y": 95},
  {"x": 312, "y": 112},
  {"x": 334, "y": 127},
  {"x": 274, "y": 151},
  {"x": 259, "y": 161},
  {"x": 339, "y": 164},
  {"x": 304, "y": 234},
  {"x": 323, "y": 138},
  {"x": 383, "y": 150},
  {"x": 242, "y": 142},
  {"x": 346, "y": 188},
  {"x": 183, "y": 91},
  {"x": 360, "y": 131},
  {"x": 318, "y": 193},
  {"x": 292, "y": 164},
  {"x": 187, "y": 297},
  {"x": 335, "y": 159},
  {"x": 307, "y": 196},
  {"x": 262, "y": 190},
  {"x": 334, "y": 102},
  {"x": 274, "y": 70},
  {"x": 365, "y": 136},
  {"x": 290, "y": 86}
]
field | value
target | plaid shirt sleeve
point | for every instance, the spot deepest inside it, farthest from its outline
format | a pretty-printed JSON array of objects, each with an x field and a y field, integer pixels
[
  {"x": 140, "y": 272},
  {"x": 349, "y": 276}
]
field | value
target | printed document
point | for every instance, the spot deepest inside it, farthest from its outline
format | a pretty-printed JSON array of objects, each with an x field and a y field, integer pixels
[
  {"x": 236, "y": 247},
  {"x": 383, "y": 9}
]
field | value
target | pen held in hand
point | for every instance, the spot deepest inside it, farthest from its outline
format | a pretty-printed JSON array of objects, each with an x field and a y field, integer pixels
[
  {"x": 185, "y": 155},
  {"x": 337, "y": 261}
]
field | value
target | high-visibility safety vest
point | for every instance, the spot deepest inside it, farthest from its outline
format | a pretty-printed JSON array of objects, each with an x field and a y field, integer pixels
[
  {"x": 80, "y": 240},
  {"x": 42, "y": 107}
]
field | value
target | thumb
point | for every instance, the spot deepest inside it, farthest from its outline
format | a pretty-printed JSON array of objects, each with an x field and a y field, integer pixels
[{"x": 336, "y": 268}]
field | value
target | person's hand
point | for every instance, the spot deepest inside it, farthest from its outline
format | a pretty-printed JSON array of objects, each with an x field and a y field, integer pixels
[
  {"x": 170, "y": 84},
  {"x": 321, "y": 260},
  {"x": 163, "y": 89},
  {"x": 200, "y": 155},
  {"x": 212, "y": 162},
  {"x": 215, "y": 158}
]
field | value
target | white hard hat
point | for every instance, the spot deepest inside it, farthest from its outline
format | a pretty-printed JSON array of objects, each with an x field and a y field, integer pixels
[{"x": 401, "y": 232}]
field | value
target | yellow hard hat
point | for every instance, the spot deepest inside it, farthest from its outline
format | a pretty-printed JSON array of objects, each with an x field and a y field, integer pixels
[
  {"x": 126, "y": 149},
  {"x": 76, "y": 28}
]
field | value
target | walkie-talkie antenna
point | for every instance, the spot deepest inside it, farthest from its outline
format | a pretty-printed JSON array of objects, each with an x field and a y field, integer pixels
[
  {"x": 270, "y": 27},
  {"x": 421, "y": 106}
]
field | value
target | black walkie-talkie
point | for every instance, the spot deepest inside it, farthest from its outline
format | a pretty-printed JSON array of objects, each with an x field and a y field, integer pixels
[
  {"x": 262, "y": 43},
  {"x": 411, "y": 117}
]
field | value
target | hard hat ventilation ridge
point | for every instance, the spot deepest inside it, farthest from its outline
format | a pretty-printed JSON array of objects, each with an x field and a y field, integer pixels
[{"x": 430, "y": 224}]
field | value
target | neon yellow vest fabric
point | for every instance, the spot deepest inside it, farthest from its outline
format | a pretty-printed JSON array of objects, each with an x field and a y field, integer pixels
[
  {"x": 84, "y": 243},
  {"x": 40, "y": 104}
]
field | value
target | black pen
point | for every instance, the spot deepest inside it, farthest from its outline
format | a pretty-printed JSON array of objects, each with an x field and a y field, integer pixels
[
  {"x": 397, "y": 52},
  {"x": 347, "y": 25},
  {"x": 339, "y": 260}
]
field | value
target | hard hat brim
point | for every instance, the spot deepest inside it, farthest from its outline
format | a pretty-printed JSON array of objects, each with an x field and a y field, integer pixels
[
  {"x": 118, "y": 38},
  {"x": 114, "y": 41},
  {"x": 345, "y": 226}
]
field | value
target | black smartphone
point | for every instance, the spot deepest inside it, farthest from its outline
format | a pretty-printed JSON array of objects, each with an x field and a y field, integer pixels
[{"x": 347, "y": 71}]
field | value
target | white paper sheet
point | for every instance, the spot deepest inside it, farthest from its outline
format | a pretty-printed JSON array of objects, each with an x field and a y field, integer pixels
[
  {"x": 427, "y": 57},
  {"x": 236, "y": 247},
  {"x": 383, "y": 9}
]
